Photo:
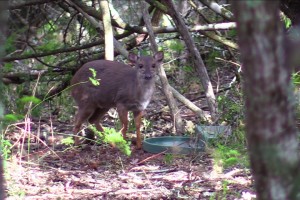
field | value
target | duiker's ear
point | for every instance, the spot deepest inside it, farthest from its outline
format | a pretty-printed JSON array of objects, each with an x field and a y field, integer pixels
[
  {"x": 132, "y": 57},
  {"x": 159, "y": 56}
]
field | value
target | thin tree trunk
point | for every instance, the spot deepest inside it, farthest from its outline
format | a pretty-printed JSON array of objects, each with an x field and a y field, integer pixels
[
  {"x": 108, "y": 32},
  {"x": 200, "y": 67},
  {"x": 1, "y": 178},
  {"x": 3, "y": 18},
  {"x": 270, "y": 121},
  {"x": 175, "y": 112}
]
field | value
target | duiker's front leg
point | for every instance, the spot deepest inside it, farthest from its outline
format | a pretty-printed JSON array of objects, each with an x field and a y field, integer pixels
[
  {"x": 138, "y": 121},
  {"x": 123, "y": 115}
]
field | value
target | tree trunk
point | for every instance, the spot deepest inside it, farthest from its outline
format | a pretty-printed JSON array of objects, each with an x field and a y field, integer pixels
[
  {"x": 3, "y": 17},
  {"x": 108, "y": 32},
  {"x": 200, "y": 67},
  {"x": 270, "y": 122}
]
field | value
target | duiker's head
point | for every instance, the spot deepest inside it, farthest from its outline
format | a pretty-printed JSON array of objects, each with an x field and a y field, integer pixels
[{"x": 146, "y": 65}]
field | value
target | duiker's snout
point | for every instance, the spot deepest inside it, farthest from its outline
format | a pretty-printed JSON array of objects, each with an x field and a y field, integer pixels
[{"x": 148, "y": 75}]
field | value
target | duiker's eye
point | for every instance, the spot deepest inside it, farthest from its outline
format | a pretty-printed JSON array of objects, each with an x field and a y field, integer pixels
[
  {"x": 141, "y": 66},
  {"x": 153, "y": 65}
]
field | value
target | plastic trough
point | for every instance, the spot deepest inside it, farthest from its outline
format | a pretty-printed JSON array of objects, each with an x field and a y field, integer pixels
[{"x": 173, "y": 145}]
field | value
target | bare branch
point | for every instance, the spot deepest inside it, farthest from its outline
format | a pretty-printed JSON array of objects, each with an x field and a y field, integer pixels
[
  {"x": 218, "y": 9},
  {"x": 20, "y": 5},
  {"x": 57, "y": 51},
  {"x": 220, "y": 39}
]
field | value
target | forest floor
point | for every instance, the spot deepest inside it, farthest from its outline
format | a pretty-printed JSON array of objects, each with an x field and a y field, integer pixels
[
  {"x": 102, "y": 172},
  {"x": 55, "y": 171}
]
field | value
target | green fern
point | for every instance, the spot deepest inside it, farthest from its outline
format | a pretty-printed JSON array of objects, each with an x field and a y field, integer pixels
[{"x": 113, "y": 137}]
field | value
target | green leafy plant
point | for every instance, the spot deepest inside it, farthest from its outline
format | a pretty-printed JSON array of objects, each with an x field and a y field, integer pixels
[
  {"x": 5, "y": 147},
  {"x": 146, "y": 124},
  {"x": 28, "y": 99},
  {"x": 8, "y": 67},
  {"x": 67, "y": 141},
  {"x": 49, "y": 46},
  {"x": 232, "y": 33},
  {"x": 231, "y": 108},
  {"x": 176, "y": 45},
  {"x": 168, "y": 158},
  {"x": 10, "y": 43},
  {"x": 113, "y": 137},
  {"x": 24, "y": 102},
  {"x": 226, "y": 156},
  {"x": 287, "y": 21},
  {"x": 10, "y": 118},
  {"x": 188, "y": 68},
  {"x": 62, "y": 103},
  {"x": 93, "y": 79},
  {"x": 173, "y": 46},
  {"x": 225, "y": 187},
  {"x": 225, "y": 193},
  {"x": 296, "y": 78},
  {"x": 211, "y": 60}
]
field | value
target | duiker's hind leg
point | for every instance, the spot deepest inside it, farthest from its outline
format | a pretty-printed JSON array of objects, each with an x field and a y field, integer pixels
[
  {"x": 95, "y": 120},
  {"x": 82, "y": 115}
]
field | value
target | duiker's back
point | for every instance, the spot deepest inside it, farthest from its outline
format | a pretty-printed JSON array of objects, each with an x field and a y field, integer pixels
[{"x": 116, "y": 80}]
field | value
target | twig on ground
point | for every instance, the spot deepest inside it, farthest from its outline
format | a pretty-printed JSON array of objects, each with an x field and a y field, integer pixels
[{"x": 151, "y": 157}]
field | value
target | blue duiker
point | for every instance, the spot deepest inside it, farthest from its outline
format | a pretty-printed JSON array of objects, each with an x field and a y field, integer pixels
[{"x": 121, "y": 86}]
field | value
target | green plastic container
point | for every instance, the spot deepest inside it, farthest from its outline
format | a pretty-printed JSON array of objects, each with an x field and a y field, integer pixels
[{"x": 173, "y": 145}]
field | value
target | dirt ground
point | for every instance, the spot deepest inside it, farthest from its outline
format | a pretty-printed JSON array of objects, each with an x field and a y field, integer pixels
[{"x": 102, "y": 172}]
